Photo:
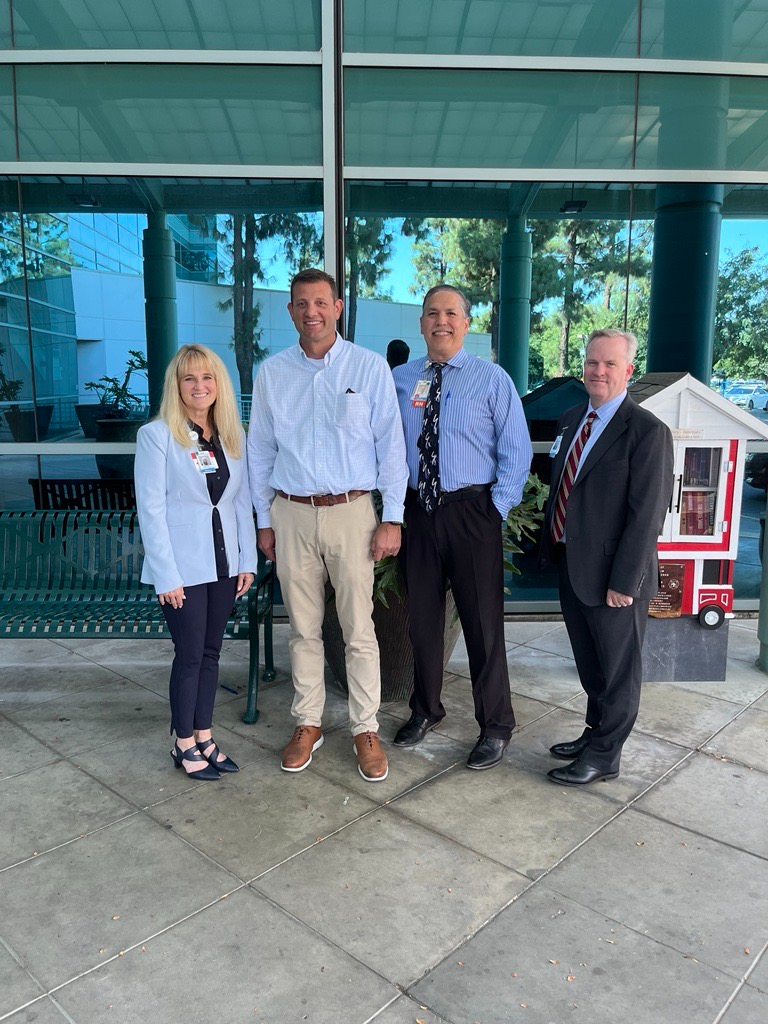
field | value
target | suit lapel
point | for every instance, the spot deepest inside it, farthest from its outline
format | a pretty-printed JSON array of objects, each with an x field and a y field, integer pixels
[
  {"x": 615, "y": 428},
  {"x": 558, "y": 463}
]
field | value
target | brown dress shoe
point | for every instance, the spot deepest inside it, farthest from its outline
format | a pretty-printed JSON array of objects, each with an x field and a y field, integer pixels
[
  {"x": 298, "y": 754},
  {"x": 372, "y": 761}
]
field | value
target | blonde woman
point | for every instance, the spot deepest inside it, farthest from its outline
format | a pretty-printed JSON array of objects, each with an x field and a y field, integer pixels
[{"x": 199, "y": 539}]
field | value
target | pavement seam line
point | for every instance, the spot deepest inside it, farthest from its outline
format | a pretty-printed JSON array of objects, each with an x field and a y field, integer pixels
[
  {"x": 596, "y": 831},
  {"x": 70, "y": 842},
  {"x": 373, "y": 810},
  {"x": 742, "y": 982}
]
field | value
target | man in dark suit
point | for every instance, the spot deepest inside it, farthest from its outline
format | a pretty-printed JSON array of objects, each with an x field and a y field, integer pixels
[{"x": 611, "y": 484}]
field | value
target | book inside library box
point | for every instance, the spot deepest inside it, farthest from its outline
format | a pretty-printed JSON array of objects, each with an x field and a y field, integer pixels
[{"x": 701, "y": 476}]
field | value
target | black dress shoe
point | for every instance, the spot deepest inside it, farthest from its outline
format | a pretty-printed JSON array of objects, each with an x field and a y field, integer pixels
[
  {"x": 579, "y": 774},
  {"x": 193, "y": 754},
  {"x": 414, "y": 731},
  {"x": 570, "y": 751},
  {"x": 487, "y": 752},
  {"x": 213, "y": 756}
]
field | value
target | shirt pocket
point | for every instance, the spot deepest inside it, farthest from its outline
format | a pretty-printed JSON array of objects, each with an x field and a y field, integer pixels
[{"x": 353, "y": 413}]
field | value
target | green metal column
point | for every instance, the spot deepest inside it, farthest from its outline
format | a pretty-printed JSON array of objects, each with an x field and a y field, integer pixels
[
  {"x": 686, "y": 244},
  {"x": 686, "y": 239},
  {"x": 160, "y": 303},
  {"x": 515, "y": 301}
]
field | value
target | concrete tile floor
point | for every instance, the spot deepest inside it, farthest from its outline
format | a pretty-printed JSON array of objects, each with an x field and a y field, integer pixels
[{"x": 129, "y": 894}]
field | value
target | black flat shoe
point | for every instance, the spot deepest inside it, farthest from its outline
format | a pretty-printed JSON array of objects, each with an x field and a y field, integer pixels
[
  {"x": 414, "y": 731},
  {"x": 226, "y": 765},
  {"x": 570, "y": 751},
  {"x": 579, "y": 774},
  {"x": 487, "y": 752},
  {"x": 206, "y": 774}
]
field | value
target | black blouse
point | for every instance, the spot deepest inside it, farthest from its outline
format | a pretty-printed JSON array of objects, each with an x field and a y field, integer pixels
[{"x": 216, "y": 483}]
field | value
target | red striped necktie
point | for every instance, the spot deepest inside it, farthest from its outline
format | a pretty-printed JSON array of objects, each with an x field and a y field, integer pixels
[{"x": 569, "y": 475}]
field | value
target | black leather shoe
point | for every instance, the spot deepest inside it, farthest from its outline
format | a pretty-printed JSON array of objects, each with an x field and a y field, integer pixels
[
  {"x": 487, "y": 752},
  {"x": 579, "y": 774},
  {"x": 570, "y": 751},
  {"x": 193, "y": 754},
  {"x": 213, "y": 756},
  {"x": 414, "y": 731}
]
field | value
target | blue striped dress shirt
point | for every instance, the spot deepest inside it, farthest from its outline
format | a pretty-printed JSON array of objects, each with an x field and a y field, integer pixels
[
  {"x": 327, "y": 429},
  {"x": 483, "y": 432}
]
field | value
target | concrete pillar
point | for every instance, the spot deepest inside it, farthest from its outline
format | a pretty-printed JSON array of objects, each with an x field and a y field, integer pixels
[
  {"x": 686, "y": 245},
  {"x": 515, "y": 301},
  {"x": 160, "y": 303},
  {"x": 686, "y": 239}
]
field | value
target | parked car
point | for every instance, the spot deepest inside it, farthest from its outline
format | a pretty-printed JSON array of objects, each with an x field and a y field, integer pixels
[
  {"x": 749, "y": 396},
  {"x": 756, "y": 470}
]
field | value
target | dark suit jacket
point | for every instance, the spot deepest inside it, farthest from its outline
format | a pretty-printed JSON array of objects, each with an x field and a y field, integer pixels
[{"x": 617, "y": 506}]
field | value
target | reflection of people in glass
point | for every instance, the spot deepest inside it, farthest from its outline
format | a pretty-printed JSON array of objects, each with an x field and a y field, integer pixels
[
  {"x": 194, "y": 508},
  {"x": 398, "y": 353}
]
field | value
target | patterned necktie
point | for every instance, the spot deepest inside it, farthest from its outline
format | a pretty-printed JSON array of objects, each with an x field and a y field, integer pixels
[
  {"x": 429, "y": 463},
  {"x": 569, "y": 475}
]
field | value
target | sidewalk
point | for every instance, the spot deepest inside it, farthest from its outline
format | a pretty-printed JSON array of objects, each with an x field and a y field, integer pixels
[{"x": 129, "y": 894}]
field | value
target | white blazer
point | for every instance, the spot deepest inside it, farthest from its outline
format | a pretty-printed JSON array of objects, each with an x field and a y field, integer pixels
[{"x": 175, "y": 513}]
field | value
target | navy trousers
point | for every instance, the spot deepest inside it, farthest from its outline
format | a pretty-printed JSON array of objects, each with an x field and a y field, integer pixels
[{"x": 197, "y": 630}]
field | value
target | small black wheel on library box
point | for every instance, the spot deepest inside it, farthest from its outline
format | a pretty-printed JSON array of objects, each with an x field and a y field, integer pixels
[{"x": 711, "y": 617}]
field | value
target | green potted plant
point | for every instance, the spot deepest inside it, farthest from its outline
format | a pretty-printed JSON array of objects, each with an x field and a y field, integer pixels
[
  {"x": 24, "y": 424},
  {"x": 390, "y": 604},
  {"x": 116, "y": 401},
  {"x": 123, "y": 414},
  {"x": 520, "y": 537}
]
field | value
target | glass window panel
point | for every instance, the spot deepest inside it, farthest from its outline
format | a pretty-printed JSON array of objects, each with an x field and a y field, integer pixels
[
  {"x": 703, "y": 122},
  {"x": 160, "y": 114},
  {"x": 160, "y": 24},
  {"x": 715, "y": 30},
  {"x": 86, "y": 303},
  {"x": 488, "y": 118},
  {"x": 5, "y": 25},
  {"x": 514, "y": 27},
  {"x": 7, "y": 121}
]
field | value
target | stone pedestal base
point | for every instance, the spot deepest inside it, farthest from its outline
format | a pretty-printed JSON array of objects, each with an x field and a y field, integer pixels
[{"x": 681, "y": 651}]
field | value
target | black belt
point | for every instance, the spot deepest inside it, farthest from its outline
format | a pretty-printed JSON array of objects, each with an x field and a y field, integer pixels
[{"x": 445, "y": 497}]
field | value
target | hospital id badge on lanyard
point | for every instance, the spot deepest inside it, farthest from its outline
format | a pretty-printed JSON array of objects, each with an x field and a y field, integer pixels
[
  {"x": 205, "y": 461},
  {"x": 420, "y": 394}
]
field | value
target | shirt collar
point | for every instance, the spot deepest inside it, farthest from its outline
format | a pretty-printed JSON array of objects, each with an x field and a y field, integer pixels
[
  {"x": 607, "y": 409},
  {"x": 333, "y": 352},
  {"x": 457, "y": 360}
]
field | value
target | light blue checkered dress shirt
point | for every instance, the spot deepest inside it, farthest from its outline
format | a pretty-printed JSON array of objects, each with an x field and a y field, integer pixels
[
  {"x": 326, "y": 430},
  {"x": 483, "y": 432}
]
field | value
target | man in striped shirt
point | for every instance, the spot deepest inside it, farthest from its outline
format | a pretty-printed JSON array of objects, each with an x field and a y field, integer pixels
[{"x": 469, "y": 454}]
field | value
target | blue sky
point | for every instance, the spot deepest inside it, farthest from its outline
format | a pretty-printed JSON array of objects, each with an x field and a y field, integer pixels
[{"x": 734, "y": 236}]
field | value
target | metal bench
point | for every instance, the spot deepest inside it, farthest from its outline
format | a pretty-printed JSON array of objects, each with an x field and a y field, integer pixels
[
  {"x": 87, "y": 494},
  {"x": 76, "y": 574}
]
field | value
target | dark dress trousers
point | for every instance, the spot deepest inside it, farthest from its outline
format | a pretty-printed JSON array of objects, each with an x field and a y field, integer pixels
[
  {"x": 615, "y": 513},
  {"x": 460, "y": 544}
]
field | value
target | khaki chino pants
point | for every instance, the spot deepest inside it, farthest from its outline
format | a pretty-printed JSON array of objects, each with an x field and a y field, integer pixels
[{"x": 311, "y": 546}]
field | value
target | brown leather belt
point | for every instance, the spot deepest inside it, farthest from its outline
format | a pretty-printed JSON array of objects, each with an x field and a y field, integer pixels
[{"x": 323, "y": 500}]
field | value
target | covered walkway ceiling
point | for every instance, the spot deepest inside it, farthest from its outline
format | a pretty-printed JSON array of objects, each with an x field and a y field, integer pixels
[{"x": 384, "y": 198}]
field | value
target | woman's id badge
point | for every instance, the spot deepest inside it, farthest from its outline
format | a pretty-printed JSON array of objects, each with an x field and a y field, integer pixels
[
  {"x": 205, "y": 462},
  {"x": 420, "y": 393}
]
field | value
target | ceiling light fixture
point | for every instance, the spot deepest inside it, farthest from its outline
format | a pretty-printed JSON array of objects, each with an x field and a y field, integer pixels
[{"x": 86, "y": 201}]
